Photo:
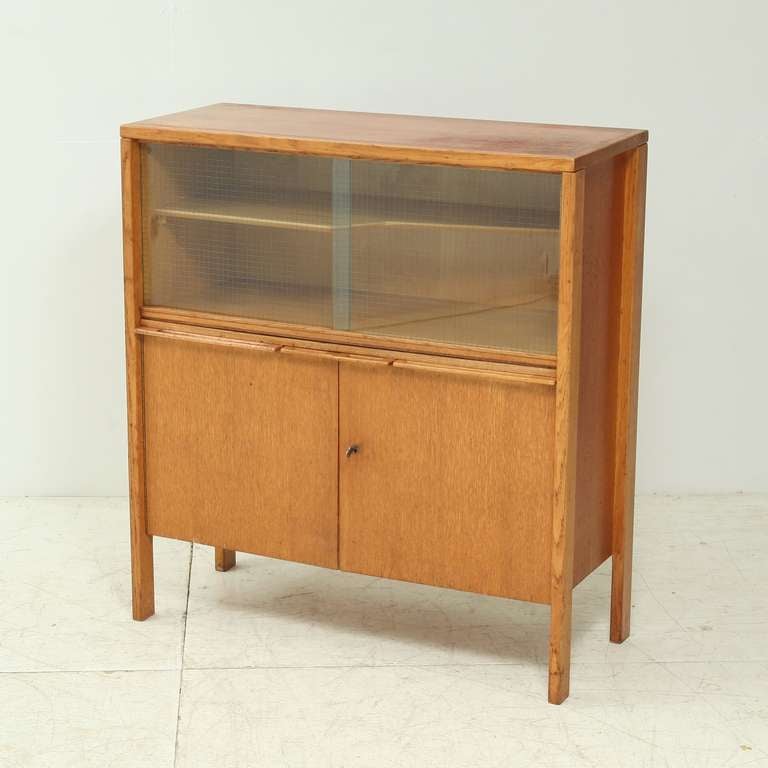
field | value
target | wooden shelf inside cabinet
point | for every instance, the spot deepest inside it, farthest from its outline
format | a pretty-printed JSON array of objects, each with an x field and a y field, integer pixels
[
  {"x": 309, "y": 211},
  {"x": 308, "y": 215},
  {"x": 423, "y": 332},
  {"x": 242, "y": 214}
]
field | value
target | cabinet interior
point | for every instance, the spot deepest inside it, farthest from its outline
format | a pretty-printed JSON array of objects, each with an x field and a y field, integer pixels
[{"x": 447, "y": 254}]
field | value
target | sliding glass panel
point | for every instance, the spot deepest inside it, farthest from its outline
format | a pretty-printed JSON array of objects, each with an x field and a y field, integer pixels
[
  {"x": 450, "y": 255},
  {"x": 455, "y": 255},
  {"x": 238, "y": 233}
]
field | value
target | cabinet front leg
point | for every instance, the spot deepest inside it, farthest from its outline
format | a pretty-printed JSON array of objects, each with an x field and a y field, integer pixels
[
  {"x": 566, "y": 431},
  {"x": 142, "y": 573},
  {"x": 621, "y": 592},
  {"x": 225, "y": 559},
  {"x": 560, "y": 647},
  {"x": 142, "y": 565}
]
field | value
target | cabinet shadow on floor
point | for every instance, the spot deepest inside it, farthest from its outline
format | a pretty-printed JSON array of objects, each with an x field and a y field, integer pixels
[{"x": 267, "y": 597}]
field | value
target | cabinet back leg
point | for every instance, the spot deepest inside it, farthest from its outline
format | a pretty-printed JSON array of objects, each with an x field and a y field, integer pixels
[
  {"x": 630, "y": 300},
  {"x": 142, "y": 574},
  {"x": 225, "y": 559}
]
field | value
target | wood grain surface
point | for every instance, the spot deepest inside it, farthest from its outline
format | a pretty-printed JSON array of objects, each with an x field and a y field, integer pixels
[
  {"x": 452, "y": 480},
  {"x": 565, "y": 434},
  {"x": 142, "y": 561},
  {"x": 241, "y": 449},
  {"x": 352, "y": 338},
  {"x": 206, "y": 335},
  {"x": 603, "y": 212},
  {"x": 396, "y": 138},
  {"x": 627, "y": 389}
]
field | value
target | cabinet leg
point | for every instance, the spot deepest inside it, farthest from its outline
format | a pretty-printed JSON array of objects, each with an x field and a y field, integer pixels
[
  {"x": 142, "y": 574},
  {"x": 225, "y": 559},
  {"x": 566, "y": 431},
  {"x": 621, "y": 593},
  {"x": 560, "y": 648},
  {"x": 621, "y": 562},
  {"x": 626, "y": 392}
]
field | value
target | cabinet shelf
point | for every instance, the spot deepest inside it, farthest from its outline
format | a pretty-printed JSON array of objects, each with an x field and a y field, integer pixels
[
  {"x": 307, "y": 217},
  {"x": 239, "y": 214},
  {"x": 314, "y": 215}
]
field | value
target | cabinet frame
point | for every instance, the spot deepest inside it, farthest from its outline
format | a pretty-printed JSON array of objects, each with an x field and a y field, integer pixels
[{"x": 608, "y": 178}]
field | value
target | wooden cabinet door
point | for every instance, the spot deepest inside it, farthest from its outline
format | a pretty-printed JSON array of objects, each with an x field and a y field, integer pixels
[
  {"x": 451, "y": 483},
  {"x": 241, "y": 449}
]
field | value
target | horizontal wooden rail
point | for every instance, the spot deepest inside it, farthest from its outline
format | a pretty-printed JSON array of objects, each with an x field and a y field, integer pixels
[
  {"x": 199, "y": 338},
  {"x": 349, "y": 338},
  {"x": 509, "y": 376},
  {"x": 518, "y": 374},
  {"x": 341, "y": 356}
]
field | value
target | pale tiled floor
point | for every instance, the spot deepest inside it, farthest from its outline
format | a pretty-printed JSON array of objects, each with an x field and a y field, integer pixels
[{"x": 277, "y": 664}]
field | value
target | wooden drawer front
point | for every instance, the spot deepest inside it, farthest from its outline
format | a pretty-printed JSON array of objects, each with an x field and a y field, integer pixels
[
  {"x": 451, "y": 483},
  {"x": 241, "y": 449}
]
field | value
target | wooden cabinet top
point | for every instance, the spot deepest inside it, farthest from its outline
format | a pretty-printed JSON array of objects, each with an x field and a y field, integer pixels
[{"x": 397, "y": 138}]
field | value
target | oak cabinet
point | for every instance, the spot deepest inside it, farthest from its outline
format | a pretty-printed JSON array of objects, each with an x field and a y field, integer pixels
[{"x": 398, "y": 346}]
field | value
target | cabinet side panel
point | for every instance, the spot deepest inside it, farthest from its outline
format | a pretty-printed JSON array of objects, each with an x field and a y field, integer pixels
[
  {"x": 599, "y": 333},
  {"x": 241, "y": 449},
  {"x": 451, "y": 482}
]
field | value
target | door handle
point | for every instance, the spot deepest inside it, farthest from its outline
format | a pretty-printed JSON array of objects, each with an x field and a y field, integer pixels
[
  {"x": 342, "y": 357},
  {"x": 199, "y": 338},
  {"x": 530, "y": 376},
  {"x": 352, "y": 450}
]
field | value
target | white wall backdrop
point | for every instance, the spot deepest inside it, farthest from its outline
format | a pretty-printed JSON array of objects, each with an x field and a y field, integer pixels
[{"x": 694, "y": 73}]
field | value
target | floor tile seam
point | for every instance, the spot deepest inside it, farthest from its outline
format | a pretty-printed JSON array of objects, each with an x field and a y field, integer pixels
[{"x": 181, "y": 658}]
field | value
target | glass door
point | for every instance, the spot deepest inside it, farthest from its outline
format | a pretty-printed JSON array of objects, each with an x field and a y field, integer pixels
[
  {"x": 452, "y": 255},
  {"x": 455, "y": 255},
  {"x": 238, "y": 233}
]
